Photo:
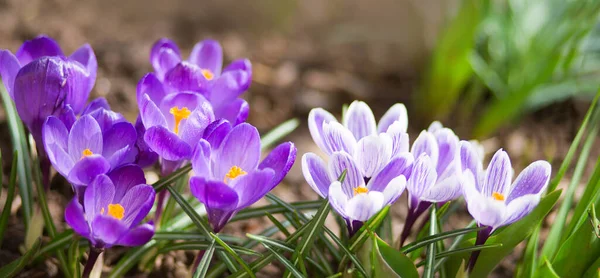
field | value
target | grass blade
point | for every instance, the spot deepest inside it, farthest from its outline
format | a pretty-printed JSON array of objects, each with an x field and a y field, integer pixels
[
  {"x": 430, "y": 259},
  {"x": 234, "y": 255},
  {"x": 167, "y": 235},
  {"x": 203, "y": 245},
  {"x": 10, "y": 196},
  {"x": 162, "y": 183},
  {"x": 189, "y": 210},
  {"x": 437, "y": 237},
  {"x": 13, "y": 268},
  {"x": 278, "y": 133},
  {"x": 205, "y": 262},
  {"x": 288, "y": 265}
]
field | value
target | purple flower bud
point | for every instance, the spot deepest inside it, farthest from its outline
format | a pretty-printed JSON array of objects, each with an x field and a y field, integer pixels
[
  {"x": 113, "y": 206},
  {"x": 42, "y": 81},
  {"x": 229, "y": 177}
]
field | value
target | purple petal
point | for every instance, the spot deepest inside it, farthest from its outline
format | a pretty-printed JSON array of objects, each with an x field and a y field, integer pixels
[
  {"x": 75, "y": 217},
  {"x": 281, "y": 159},
  {"x": 423, "y": 176},
  {"x": 120, "y": 136},
  {"x": 125, "y": 178},
  {"x": 137, "y": 202},
  {"x": 448, "y": 156},
  {"x": 469, "y": 158},
  {"x": 164, "y": 56},
  {"x": 39, "y": 47},
  {"x": 85, "y": 134},
  {"x": 520, "y": 207},
  {"x": 137, "y": 236},
  {"x": 338, "y": 138},
  {"x": 396, "y": 113},
  {"x": 213, "y": 194},
  {"x": 532, "y": 180},
  {"x": 400, "y": 141},
  {"x": 216, "y": 132},
  {"x": 372, "y": 153},
  {"x": 443, "y": 191},
  {"x": 208, "y": 55},
  {"x": 363, "y": 206},
  {"x": 498, "y": 175},
  {"x": 55, "y": 136},
  {"x": 341, "y": 161},
  {"x": 426, "y": 144},
  {"x": 146, "y": 157},
  {"x": 401, "y": 165},
  {"x": 151, "y": 86},
  {"x": 393, "y": 190},
  {"x": 87, "y": 168},
  {"x": 240, "y": 148},
  {"x": 337, "y": 198},
  {"x": 315, "y": 173},
  {"x": 99, "y": 193},
  {"x": 167, "y": 144},
  {"x": 359, "y": 120},
  {"x": 252, "y": 186},
  {"x": 235, "y": 112},
  {"x": 191, "y": 101},
  {"x": 228, "y": 87},
  {"x": 483, "y": 209},
  {"x": 201, "y": 159},
  {"x": 435, "y": 126},
  {"x": 192, "y": 129},
  {"x": 9, "y": 67},
  {"x": 67, "y": 116},
  {"x": 108, "y": 229},
  {"x": 240, "y": 64},
  {"x": 97, "y": 103},
  {"x": 106, "y": 118},
  {"x": 186, "y": 77},
  {"x": 86, "y": 57},
  {"x": 316, "y": 118},
  {"x": 150, "y": 114}
]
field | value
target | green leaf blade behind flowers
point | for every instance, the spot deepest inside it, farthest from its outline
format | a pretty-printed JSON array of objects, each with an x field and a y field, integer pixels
[{"x": 389, "y": 262}]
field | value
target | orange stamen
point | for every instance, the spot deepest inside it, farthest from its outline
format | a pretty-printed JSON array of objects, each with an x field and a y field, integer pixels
[
  {"x": 498, "y": 196},
  {"x": 233, "y": 173},
  {"x": 179, "y": 115},
  {"x": 360, "y": 190},
  {"x": 209, "y": 75}
]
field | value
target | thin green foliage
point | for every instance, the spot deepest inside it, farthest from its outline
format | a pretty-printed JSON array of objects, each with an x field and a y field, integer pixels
[
  {"x": 278, "y": 133},
  {"x": 205, "y": 262},
  {"x": 431, "y": 248},
  {"x": 9, "y": 196},
  {"x": 288, "y": 265},
  {"x": 232, "y": 253},
  {"x": 13, "y": 268}
]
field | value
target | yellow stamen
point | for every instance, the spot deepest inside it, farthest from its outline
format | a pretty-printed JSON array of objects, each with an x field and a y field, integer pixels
[
  {"x": 233, "y": 173},
  {"x": 86, "y": 152},
  {"x": 360, "y": 190},
  {"x": 115, "y": 210},
  {"x": 498, "y": 196},
  {"x": 179, "y": 115},
  {"x": 209, "y": 75}
]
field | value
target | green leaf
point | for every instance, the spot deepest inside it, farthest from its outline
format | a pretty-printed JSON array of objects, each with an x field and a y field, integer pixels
[
  {"x": 390, "y": 262},
  {"x": 167, "y": 235},
  {"x": 10, "y": 196},
  {"x": 431, "y": 248},
  {"x": 529, "y": 262},
  {"x": 546, "y": 270},
  {"x": 130, "y": 259},
  {"x": 60, "y": 241},
  {"x": 205, "y": 262},
  {"x": 165, "y": 181},
  {"x": 512, "y": 235},
  {"x": 288, "y": 265},
  {"x": 589, "y": 196},
  {"x": 73, "y": 256},
  {"x": 437, "y": 237},
  {"x": 203, "y": 245},
  {"x": 577, "y": 253},
  {"x": 279, "y": 132},
  {"x": 189, "y": 210},
  {"x": 274, "y": 209},
  {"x": 13, "y": 268},
  {"x": 180, "y": 184},
  {"x": 278, "y": 224},
  {"x": 19, "y": 142},
  {"x": 233, "y": 254}
]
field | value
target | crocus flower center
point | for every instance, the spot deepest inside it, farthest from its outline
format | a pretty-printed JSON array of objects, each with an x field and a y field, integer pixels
[
  {"x": 233, "y": 173},
  {"x": 361, "y": 190},
  {"x": 498, "y": 196},
  {"x": 86, "y": 152},
  {"x": 179, "y": 115},
  {"x": 115, "y": 210},
  {"x": 209, "y": 75}
]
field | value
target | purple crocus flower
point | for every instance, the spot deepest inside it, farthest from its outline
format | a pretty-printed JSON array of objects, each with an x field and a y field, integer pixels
[
  {"x": 490, "y": 197},
  {"x": 375, "y": 158},
  {"x": 436, "y": 175},
  {"x": 202, "y": 73},
  {"x": 113, "y": 206},
  {"x": 227, "y": 174},
  {"x": 67, "y": 81},
  {"x": 92, "y": 146},
  {"x": 174, "y": 122}
]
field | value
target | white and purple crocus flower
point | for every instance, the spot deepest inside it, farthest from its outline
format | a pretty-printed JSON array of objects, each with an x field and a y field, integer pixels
[
  {"x": 374, "y": 156},
  {"x": 113, "y": 207},
  {"x": 202, "y": 73},
  {"x": 491, "y": 198},
  {"x": 227, "y": 174}
]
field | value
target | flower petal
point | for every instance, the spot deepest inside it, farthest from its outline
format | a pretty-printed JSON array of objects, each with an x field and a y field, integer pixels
[
  {"x": 85, "y": 134},
  {"x": 189, "y": 100},
  {"x": 164, "y": 56},
  {"x": 423, "y": 176},
  {"x": 316, "y": 118},
  {"x": 228, "y": 87},
  {"x": 483, "y": 209},
  {"x": 216, "y": 132},
  {"x": 108, "y": 229},
  {"x": 97, "y": 103},
  {"x": 9, "y": 67},
  {"x": 340, "y": 162},
  {"x": 337, "y": 198},
  {"x": 235, "y": 112},
  {"x": 372, "y": 153},
  {"x": 186, "y": 77},
  {"x": 338, "y": 138},
  {"x": 445, "y": 190},
  {"x": 208, "y": 55},
  {"x": 86, "y": 57},
  {"x": 426, "y": 144},
  {"x": 150, "y": 114},
  {"x": 67, "y": 116},
  {"x": 213, "y": 194},
  {"x": 393, "y": 190},
  {"x": 399, "y": 137},
  {"x": 192, "y": 129},
  {"x": 520, "y": 207},
  {"x": 145, "y": 157},
  {"x": 435, "y": 126},
  {"x": 119, "y": 136},
  {"x": 396, "y": 113},
  {"x": 532, "y": 180},
  {"x": 399, "y": 166},
  {"x": 201, "y": 159},
  {"x": 137, "y": 202},
  {"x": 38, "y": 47},
  {"x": 99, "y": 193},
  {"x": 281, "y": 159},
  {"x": 315, "y": 173},
  {"x": 469, "y": 158},
  {"x": 55, "y": 134},
  {"x": 363, "y": 206},
  {"x": 241, "y": 148},
  {"x": 87, "y": 168},
  {"x": 125, "y": 178},
  {"x": 137, "y": 236},
  {"x": 359, "y": 120},
  {"x": 498, "y": 175},
  {"x": 167, "y": 144},
  {"x": 151, "y": 86},
  {"x": 448, "y": 155},
  {"x": 252, "y": 186},
  {"x": 75, "y": 217}
]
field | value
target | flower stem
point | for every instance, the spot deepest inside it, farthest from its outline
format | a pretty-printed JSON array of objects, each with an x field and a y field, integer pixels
[
  {"x": 482, "y": 236},
  {"x": 411, "y": 219},
  {"x": 93, "y": 257}
]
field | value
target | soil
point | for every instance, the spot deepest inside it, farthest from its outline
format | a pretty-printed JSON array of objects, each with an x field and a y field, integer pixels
[{"x": 305, "y": 54}]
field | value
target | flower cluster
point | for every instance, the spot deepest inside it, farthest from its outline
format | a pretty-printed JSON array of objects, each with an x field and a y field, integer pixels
[
  {"x": 438, "y": 168},
  {"x": 190, "y": 111}
]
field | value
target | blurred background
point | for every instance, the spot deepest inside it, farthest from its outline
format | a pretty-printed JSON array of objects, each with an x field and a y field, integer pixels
[{"x": 516, "y": 74}]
